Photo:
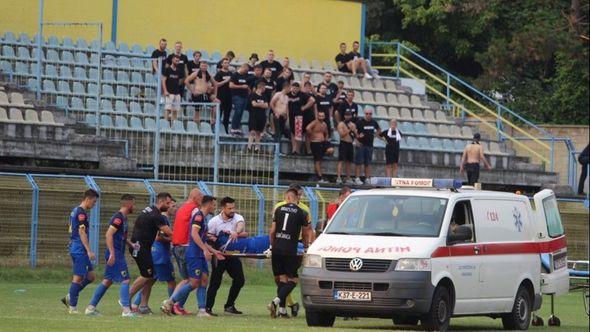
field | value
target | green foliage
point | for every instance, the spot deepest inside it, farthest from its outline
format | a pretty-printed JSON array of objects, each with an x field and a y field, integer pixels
[{"x": 533, "y": 53}]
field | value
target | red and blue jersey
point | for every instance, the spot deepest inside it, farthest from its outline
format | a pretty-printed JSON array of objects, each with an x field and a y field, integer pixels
[
  {"x": 119, "y": 221},
  {"x": 198, "y": 220},
  {"x": 78, "y": 220}
]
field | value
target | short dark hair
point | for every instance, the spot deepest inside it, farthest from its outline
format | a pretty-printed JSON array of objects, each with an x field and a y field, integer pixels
[
  {"x": 208, "y": 199},
  {"x": 175, "y": 56},
  {"x": 127, "y": 198},
  {"x": 293, "y": 191},
  {"x": 197, "y": 52},
  {"x": 295, "y": 186},
  {"x": 355, "y": 42},
  {"x": 227, "y": 200},
  {"x": 322, "y": 84},
  {"x": 203, "y": 62},
  {"x": 295, "y": 84},
  {"x": 163, "y": 40},
  {"x": 343, "y": 43},
  {"x": 230, "y": 53},
  {"x": 91, "y": 193},
  {"x": 344, "y": 190},
  {"x": 224, "y": 59},
  {"x": 261, "y": 84},
  {"x": 163, "y": 196},
  {"x": 307, "y": 83},
  {"x": 257, "y": 67},
  {"x": 286, "y": 84}
]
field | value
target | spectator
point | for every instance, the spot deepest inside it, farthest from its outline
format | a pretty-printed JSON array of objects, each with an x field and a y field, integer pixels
[
  {"x": 183, "y": 62},
  {"x": 256, "y": 75},
  {"x": 345, "y": 191},
  {"x": 317, "y": 132},
  {"x": 230, "y": 55},
  {"x": 195, "y": 63},
  {"x": 393, "y": 137},
  {"x": 239, "y": 96},
  {"x": 366, "y": 128},
  {"x": 309, "y": 114},
  {"x": 257, "y": 106},
  {"x": 222, "y": 77},
  {"x": 472, "y": 156},
  {"x": 356, "y": 55},
  {"x": 583, "y": 159},
  {"x": 324, "y": 105},
  {"x": 172, "y": 83},
  {"x": 347, "y": 105},
  {"x": 269, "y": 84},
  {"x": 298, "y": 104},
  {"x": 270, "y": 62},
  {"x": 202, "y": 91},
  {"x": 349, "y": 62},
  {"x": 287, "y": 64},
  {"x": 159, "y": 53},
  {"x": 252, "y": 63},
  {"x": 340, "y": 95},
  {"x": 285, "y": 76},
  {"x": 279, "y": 104},
  {"x": 305, "y": 78},
  {"x": 331, "y": 88},
  {"x": 347, "y": 131}
]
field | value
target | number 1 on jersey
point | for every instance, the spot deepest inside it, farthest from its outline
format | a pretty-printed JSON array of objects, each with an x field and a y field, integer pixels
[{"x": 285, "y": 222}]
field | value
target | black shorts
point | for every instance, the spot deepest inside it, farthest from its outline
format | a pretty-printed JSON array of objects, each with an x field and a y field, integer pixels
[
  {"x": 144, "y": 261},
  {"x": 257, "y": 120},
  {"x": 391, "y": 155},
  {"x": 201, "y": 98},
  {"x": 285, "y": 265},
  {"x": 318, "y": 150},
  {"x": 346, "y": 152},
  {"x": 344, "y": 69}
]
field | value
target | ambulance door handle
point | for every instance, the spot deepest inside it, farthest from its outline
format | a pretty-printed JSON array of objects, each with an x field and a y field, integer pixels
[{"x": 476, "y": 250}]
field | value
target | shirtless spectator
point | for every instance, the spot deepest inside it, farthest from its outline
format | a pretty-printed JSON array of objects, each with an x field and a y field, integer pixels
[
  {"x": 347, "y": 105},
  {"x": 203, "y": 90},
  {"x": 349, "y": 62},
  {"x": 279, "y": 104},
  {"x": 347, "y": 131},
  {"x": 230, "y": 55},
  {"x": 299, "y": 103},
  {"x": 172, "y": 87},
  {"x": 317, "y": 132},
  {"x": 222, "y": 77},
  {"x": 472, "y": 156},
  {"x": 270, "y": 62},
  {"x": 195, "y": 63}
]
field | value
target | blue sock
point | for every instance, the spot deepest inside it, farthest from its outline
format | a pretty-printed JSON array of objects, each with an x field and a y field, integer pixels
[
  {"x": 182, "y": 293},
  {"x": 170, "y": 291},
  {"x": 202, "y": 296},
  {"x": 124, "y": 295},
  {"x": 85, "y": 283},
  {"x": 137, "y": 300},
  {"x": 75, "y": 289},
  {"x": 98, "y": 294},
  {"x": 182, "y": 301}
]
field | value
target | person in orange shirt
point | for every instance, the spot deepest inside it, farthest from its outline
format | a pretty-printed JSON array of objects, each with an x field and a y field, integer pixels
[{"x": 332, "y": 207}]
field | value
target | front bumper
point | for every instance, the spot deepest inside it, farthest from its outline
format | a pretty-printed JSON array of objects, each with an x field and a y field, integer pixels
[{"x": 393, "y": 292}]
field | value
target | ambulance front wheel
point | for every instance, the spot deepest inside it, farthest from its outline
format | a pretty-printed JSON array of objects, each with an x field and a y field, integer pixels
[
  {"x": 520, "y": 316},
  {"x": 322, "y": 319},
  {"x": 439, "y": 316}
]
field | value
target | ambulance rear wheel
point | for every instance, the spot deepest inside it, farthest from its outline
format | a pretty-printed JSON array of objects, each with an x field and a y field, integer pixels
[
  {"x": 520, "y": 316},
  {"x": 439, "y": 316},
  {"x": 406, "y": 320},
  {"x": 315, "y": 318}
]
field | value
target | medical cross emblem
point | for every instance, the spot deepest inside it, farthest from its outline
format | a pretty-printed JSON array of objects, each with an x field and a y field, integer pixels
[
  {"x": 355, "y": 264},
  {"x": 517, "y": 219}
]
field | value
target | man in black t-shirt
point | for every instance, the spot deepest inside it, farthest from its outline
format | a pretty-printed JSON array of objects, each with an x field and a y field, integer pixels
[
  {"x": 159, "y": 53},
  {"x": 275, "y": 67},
  {"x": 347, "y": 105},
  {"x": 252, "y": 60},
  {"x": 289, "y": 222},
  {"x": 239, "y": 97},
  {"x": 147, "y": 225},
  {"x": 194, "y": 64},
  {"x": 172, "y": 85},
  {"x": 331, "y": 88},
  {"x": 255, "y": 76},
  {"x": 363, "y": 154},
  {"x": 230, "y": 55},
  {"x": 323, "y": 104},
  {"x": 182, "y": 62},
  {"x": 222, "y": 77},
  {"x": 299, "y": 103},
  {"x": 269, "y": 84},
  {"x": 350, "y": 62},
  {"x": 257, "y": 106},
  {"x": 340, "y": 95}
]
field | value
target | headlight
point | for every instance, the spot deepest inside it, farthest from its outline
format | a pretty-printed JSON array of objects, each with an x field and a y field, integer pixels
[
  {"x": 312, "y": 261},
  {"x": 413, "y": 264}
]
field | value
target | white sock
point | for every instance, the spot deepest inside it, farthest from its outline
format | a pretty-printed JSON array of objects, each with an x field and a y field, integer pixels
[
  {"x": 277, "y": 301},
  {"x": 202, "y": 310},
  {"x": 282, "y": 310},
  {"x": 91, "y": 307}
]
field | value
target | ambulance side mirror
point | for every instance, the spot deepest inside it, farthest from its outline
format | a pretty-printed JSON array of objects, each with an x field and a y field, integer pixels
[{"x": 459, "y": 234}]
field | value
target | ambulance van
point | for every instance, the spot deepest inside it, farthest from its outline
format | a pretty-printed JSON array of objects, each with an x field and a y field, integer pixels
[{"x": 425, "y": 250}]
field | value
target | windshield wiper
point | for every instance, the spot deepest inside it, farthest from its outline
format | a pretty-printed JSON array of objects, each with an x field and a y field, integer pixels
[
  {"x": 386, "y": 234},
  {"x": 339, "y": 233}
]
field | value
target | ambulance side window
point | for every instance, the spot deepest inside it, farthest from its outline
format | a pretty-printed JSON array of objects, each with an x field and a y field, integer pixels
[
  {"x": 552, "y": 216},
  {"x": 462, "y": 216}
]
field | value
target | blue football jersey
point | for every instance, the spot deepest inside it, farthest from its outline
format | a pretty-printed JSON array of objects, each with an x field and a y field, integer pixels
[
  {"x": 119, "y": 221},
  {"x": 78, "y": 220},
  {"x": 198, "y": 220}
]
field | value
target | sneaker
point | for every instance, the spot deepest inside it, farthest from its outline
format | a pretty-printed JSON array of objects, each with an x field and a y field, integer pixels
[
  {"x": 165, "y": 307},
  {"x": 232, "y": 311},
  {"x": 358, "y": 182},
  {"x": 145, "y": 311},
  {"x": 203, "y": 314},
  {"x": 92, "y": 312},
  {"x": 134, "y": 309},
  {"x": 66, "y": 301},
  {"x": 338, "y": 180},
  {"x": 294, "y": 309},
  {"x": 210, "y": 312},
  {"x": 73, "y": 311},
  {"x": 368, "y": 181},
  {"x": 178, "y": 310},
  {"x": 367, "y": 76},
  {"x": 349, "y": 181},
  {"x": 323, "y": 180},
  {"x": 285, "y": 316},
  {"x": 272, "y": 307},
  {"x": 129, "y": 314}
]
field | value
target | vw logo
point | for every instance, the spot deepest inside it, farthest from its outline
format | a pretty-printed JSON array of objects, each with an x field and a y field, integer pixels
[{"x": 355, "y": 264}]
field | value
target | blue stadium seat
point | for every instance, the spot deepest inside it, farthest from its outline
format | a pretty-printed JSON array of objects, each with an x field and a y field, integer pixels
[
  {"x": 78, "y": 88},
  {"x": 139, "y": 63},
  {"x": 35, "y": 54},
  {"x": 49, "y": 86},
  {"x": 67, "y": 56},
  {"x": 245, "y": 115},
  {"x": 120, "y": 107},
  {"x": 204, "y": 55},
  {"x": 21, "y": 68},
  {"x": 123, "y": 61},
  {"x": 150, "y": 93},
  {"x": 423, "y": 143},
  {"x": 68, "y": 42},
  {"x": 378, "y": 143},
  {"x": 91, "y": 103},
  {"x": 150, "y": 78},
  {"x": 91, "y": 120},
  {"x": 135, "y": 108},
  {"x": 192, "y": 128},
  {"x": 448, "y": 144},
  {"x": 149, "y": 109},
  {"x": 106, "y": 106},
  {"x": 383, "y": 124},
  {"x": 122, "y": 91},
  {"x": 77, "y": 103},
  {"x": 9, "y": 37},
  {"x": 95, "y": 45},
  {"x": 65, "y": 72},
  {"x": 61, "y": 101},
  {"x": 110, "y": 61},
  {"x": 124, "y": 48},
  {"x": 177, "y": 126},
  {"x": 6, "y": 67},
  {"x": 23, "y": 53},
  {"x": 150, "y": 124},
  {"x": 81, "y": 43},
  {"x": 63, "y": 87},
  {"x": 121, "y": 122},
  {"x": 406, "y": 127},
  {"x": 52, "y": 55},
  {"x": 420, "y": 128},
  {"x": 149, "y": 49},
  {"x": 107, "y": 90},
  {"x": 459, "y": 144},
  {"x": 8, "y": 51},
  {"x": 51, "y": 71},
  {"x": 34, "y": 68},
  {"x": 23, "y": 38},
  {"x": 413, "y": 142},
  {"x": 93, "y": 74},
  {"x": 136, "y": 49},
  {"x": 110, "y": 46},
  {"x": 122, "y": 76},
  {"x": 134, "y": 91},
  {"x": 136, "y": 123},
  {"x": 206, "y": 128},
  {"x": 136, "y": 77},
  {"x": 80, "y": 73},
  {"x": 32, "y": 83},
  {"x": 436, "y": 144},
  {"x": 404, "y": 143},
  {"x": 106, "y": 121},
  {"x": 81, "y": 58},
  {"x": 216, "y": 56},
  {"x": 165, "y": 126},
  {"x": 108, "y": 75},
  {"x": 92, "y": 88}
]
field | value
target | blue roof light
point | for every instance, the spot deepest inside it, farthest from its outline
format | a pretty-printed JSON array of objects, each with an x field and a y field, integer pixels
[{"x": 417, "y": 183}]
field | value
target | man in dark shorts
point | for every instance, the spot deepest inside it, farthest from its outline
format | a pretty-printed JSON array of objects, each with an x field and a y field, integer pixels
[
  {"x": 393, "y": 137},
  {"x": 289, "y": 221},
  {"x": 257, "y": 106},
  {"x": 147, "y": 225},
  {"x": 347, "y": 105},
  {"x": 317, "y": 131},
  {"x": 472, "y": 156},
  {"x": 222, "y": 77},
  {"x": 347, "y": 132},
  {"x": 366, "y": 128},
  {"x": 323, "y": 104},
  {"x": 202, "y": 87}
]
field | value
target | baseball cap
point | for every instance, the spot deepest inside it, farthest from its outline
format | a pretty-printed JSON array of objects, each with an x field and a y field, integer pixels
[
  {"x": 254, "y": 56},
  {"x": 477, "y": 136}
]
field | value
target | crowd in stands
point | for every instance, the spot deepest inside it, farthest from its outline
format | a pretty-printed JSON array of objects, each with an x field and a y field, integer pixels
[{"x": 280, "y": 107}]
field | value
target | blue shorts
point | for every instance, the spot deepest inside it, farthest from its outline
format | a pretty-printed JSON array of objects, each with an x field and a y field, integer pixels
[
  {"x": 363, "y": 155},
  {"x": 160, "y": 253},
  {"x": 164, "y": 272},
  {"x": 196, "y": 266},
  {"x": 81, "y": 264},
  {"x": 118, "y": 272}
]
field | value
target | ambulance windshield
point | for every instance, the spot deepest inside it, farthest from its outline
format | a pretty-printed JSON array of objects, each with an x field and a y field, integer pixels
[{"x": 389, "y": 216}]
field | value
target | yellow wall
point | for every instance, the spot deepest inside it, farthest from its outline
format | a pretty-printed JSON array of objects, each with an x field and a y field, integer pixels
[{"x": 310, "y": 29}]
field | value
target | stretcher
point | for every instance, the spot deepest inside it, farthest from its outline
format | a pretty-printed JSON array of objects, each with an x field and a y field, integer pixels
[{"x": 250, "y": 247}]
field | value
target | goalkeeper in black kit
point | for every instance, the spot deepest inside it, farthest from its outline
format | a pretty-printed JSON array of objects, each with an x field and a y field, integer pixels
[{"x": 289, "y": 221}]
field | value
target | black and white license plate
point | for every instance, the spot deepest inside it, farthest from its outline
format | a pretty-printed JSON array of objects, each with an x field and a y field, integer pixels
[{"x": 342, "y": 295}]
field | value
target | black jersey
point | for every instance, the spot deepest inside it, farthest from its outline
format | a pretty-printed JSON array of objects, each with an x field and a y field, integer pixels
[
  {"x": 288, "y": 219},
  {"x": 147, "y": 225}
]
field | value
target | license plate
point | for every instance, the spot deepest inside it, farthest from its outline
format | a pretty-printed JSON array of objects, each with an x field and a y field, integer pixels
[{"x": 342, "y": 295}]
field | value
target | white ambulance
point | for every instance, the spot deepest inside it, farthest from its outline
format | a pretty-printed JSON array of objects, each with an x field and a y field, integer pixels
[{"x": 432, "y": 251}]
